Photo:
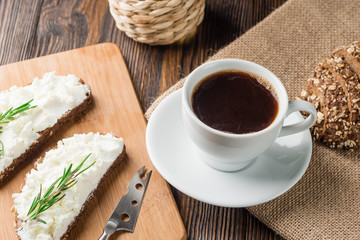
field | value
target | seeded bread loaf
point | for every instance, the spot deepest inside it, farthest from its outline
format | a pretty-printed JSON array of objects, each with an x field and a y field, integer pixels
[
  {"x": 59, "y": 99},
  {"x": 334, "y": 90},
  {"x": 106, "y": 151}
]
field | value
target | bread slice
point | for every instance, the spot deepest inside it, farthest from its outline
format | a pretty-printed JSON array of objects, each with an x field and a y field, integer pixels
[
  {"x": 107, "y": 151},
  {"x": 334, "y": 89},
  {"x": 59, "y": 99}
]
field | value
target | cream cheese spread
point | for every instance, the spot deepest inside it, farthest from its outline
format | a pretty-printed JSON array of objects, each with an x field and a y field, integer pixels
[
  {"x": 104, "y": 150},
  {"x": 54, "y": 96}
]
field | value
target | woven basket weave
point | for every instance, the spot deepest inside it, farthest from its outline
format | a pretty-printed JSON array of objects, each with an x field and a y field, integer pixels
[{"x": 158, "y": 22}]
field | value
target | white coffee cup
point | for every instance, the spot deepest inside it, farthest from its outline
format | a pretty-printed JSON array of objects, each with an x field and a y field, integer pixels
[{"x": 232, "y": 152}]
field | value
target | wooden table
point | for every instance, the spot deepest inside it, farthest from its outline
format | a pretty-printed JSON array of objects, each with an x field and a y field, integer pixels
[{"x": 32, "y": 28}]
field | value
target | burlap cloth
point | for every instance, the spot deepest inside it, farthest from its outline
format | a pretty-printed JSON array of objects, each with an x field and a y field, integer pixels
[{"x": 325, "y": 203}]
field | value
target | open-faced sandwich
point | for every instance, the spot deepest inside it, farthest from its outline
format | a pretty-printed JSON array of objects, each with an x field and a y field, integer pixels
[
  {"x": 29, "y": 115},
  {"x": 58, "y": 190}
]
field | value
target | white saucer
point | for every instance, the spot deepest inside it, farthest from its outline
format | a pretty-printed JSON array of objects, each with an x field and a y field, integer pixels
[{"x": 175, "y": 157}]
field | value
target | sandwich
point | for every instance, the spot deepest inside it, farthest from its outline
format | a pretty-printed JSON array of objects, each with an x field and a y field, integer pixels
[
  {"x": 59, "y": 188},
  {"x": 30, "y": 115}
]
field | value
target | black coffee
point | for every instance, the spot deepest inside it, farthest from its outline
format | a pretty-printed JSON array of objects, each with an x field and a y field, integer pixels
[{"x": 234, "y": 102}]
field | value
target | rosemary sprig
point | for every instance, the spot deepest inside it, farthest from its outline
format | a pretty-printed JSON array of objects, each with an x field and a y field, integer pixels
[
  {"x": 55, "y": 193},
  {"x": 9, "y": 115}
]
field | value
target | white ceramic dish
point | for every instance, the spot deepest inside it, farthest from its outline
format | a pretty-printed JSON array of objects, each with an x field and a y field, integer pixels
[{"x": 175, "y": 157}]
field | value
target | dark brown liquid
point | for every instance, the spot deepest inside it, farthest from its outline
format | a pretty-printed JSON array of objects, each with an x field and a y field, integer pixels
[{"x": 234, "y": 102}]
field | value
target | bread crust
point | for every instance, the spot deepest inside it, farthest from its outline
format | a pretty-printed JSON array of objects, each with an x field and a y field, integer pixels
[
  {"x": 91, "y": 196},
  {"x": 45, "y": 135}
]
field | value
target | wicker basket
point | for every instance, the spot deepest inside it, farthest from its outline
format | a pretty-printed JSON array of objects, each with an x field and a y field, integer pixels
[{"x": 158, "y": 22}]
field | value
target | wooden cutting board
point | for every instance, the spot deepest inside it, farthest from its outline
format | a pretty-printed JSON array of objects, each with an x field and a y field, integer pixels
[{"x": 116, "y": 110}]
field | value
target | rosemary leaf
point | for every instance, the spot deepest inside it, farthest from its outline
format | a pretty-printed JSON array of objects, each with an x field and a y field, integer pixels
[
  {"x": 56, "y": 190},
  {"x": 9, "y": 115},
  {"x": 1, "y": 148},
  {"x": 84, "y": 169}
]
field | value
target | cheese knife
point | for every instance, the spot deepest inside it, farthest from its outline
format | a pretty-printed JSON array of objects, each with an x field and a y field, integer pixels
[{"x": 127, "y": 210}]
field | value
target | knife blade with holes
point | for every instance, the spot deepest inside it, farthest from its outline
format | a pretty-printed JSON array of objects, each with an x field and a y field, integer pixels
[{"x": 127, "y": 210}]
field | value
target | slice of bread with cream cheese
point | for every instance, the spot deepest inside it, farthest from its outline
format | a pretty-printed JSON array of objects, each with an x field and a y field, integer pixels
[
  {"x": 106, "y": 151},
  {"x": 58, "y": 99}
]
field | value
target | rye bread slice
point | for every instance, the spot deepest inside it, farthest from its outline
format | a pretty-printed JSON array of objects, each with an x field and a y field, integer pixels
[
  {"x": 44, "y": 137},
  {"x": 88, "y": 200}
]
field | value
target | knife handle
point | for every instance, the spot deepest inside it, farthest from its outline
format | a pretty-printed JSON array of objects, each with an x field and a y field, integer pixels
[
  {"x": 104, "y": 236},
  {"x": 109, "y": 229}
]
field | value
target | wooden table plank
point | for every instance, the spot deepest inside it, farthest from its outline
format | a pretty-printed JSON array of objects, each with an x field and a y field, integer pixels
[
  {"x": 18, "y": 24},
  {"x": 40, "y": 27}
]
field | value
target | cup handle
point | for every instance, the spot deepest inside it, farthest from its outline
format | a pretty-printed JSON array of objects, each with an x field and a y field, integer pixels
[{"x": 299, "y": 105}]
